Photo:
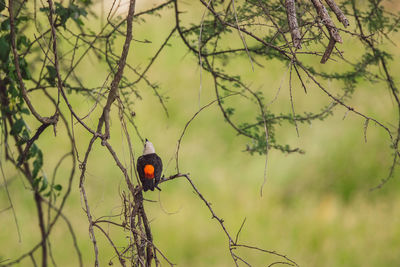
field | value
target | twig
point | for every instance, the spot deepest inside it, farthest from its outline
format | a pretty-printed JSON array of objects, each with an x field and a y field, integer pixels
[
  {"x": 112, "y": 95},
  {"x": 31, "y": 141},
  {"x": 121, "y": 259},
  {"x": 365, "y": 129},
  {"x": 44, "y": 120},
  {"x": 328, "y": 50},
  {"x": 238, "y": 232},
  {"x": 91, "y": 232},
  {"x": 241, "y": 35},
  {"x": 280, "y": 262},
  {"x": 56, "y": 64},
  {"x": 232, "y": 244},
  {"x": 291, "y": 100},
  {"x": 326, "y": 20},
  {"x": 388, "y": 177},
  {"x": 70, "y": 228},
  {"x": 199, "y": 53},
  {"x": 338, "y": 12},
  {"x": 339, "y": 101},
  {"x": 26, "y": 171},
  {"x": 293, "y": 25},
  {"x": 200, "y": 195},
  {"x": 152, "y": 60},
  {"x": 299, "y": 76},
  {"x": 122, "y": 168},
  {"x": 269, "y": 252},
  {"x": 5, "y": 182},
  {"x": 187, "y": 125},
  {"x": 70, "y": 180}
]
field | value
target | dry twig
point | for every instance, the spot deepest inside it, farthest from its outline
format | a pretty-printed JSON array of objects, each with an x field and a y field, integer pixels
[{"x": 293, "y": 25}]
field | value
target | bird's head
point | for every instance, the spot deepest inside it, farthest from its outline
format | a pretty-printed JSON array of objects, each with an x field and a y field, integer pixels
[{"x": 148, "y": 148}]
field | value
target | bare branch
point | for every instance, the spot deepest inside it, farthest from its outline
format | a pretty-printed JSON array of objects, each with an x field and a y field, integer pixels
[
  {"x": 44, "y": 120},
  {"x": 91, "y": 232},
  {"x": 113, "y": 94},
  {"x": 293, "y": 25},
  {"x": 328, "y": 50},
  {"x": 326, "y": 20},
  {"x": 338, "y": 12}
]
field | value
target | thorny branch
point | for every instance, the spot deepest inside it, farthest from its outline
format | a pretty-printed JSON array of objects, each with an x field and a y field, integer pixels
[{"x": 233, "y": 243}]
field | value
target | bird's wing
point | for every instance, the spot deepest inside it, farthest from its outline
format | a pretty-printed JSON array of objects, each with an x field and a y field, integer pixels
[{"x": 139, "y": 167}]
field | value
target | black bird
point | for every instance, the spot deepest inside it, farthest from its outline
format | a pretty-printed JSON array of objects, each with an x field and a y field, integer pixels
[{"x": 149, "y": 167}]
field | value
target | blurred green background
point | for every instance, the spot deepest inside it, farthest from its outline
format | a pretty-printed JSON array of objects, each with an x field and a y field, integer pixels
[{"x": 316, "y": 208}]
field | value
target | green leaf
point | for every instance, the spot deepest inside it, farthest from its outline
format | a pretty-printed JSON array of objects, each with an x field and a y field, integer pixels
[
  {"x": 17, "y": 127},
  {"x": 26, "y": 75},
  {"x": 4, "y": 49},
  {"x": 2, "y": 5},
  {"x": 25, "y": 111},
  {"x": 44, "y": 9},
  {"x": 45, "y": 183},
  {"x": 22, "y": 40},
  {"x": 52, "y": 74},
  {"x": 22, "y": 19},
  {"x": 5, "y": 25},
  {"x": 37, "y": 164},
  {"x": 63, "y": 13},
  {"x": 24, "y": 138},
  {"x": 57, "y": 187},
  {"x": 72, "y": 12},
  {"x": 25, "y": 134},
  {"x": 33, "y": 151},
  {"x": 36, "y": 182},
  {"x": 86, "y": 2},
  {"x": 13, "y": 91},
  {"x": 21, "y": 142}
]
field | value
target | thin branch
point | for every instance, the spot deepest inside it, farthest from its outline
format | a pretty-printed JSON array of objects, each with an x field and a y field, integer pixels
[
  {"x": 328, "y": 50},
  {"x": 112, "y": 95},
  {"x": 199, "y": 53},
  {"x": 326, "y": 20},
  {"x": 5, "y": 182},
  {"x": 293, "y": 25},
  {"x": 56, "y": 65},
  {"x": 187, "y": 125},
  {"x": 70, "y": 228},
  {"x": 240, "y": 229},
  {"x": 44, "y": 120},
  {"x": 291, "y": 101},
  {"x": 241, "y": 35},
  {"x": 121, "y": 259},
  {"x": 200, "y": 195},
  {"x": 31, "y": 141},
  {"x": 338, "y": 12},
  {"x": 91, "y": 232}
]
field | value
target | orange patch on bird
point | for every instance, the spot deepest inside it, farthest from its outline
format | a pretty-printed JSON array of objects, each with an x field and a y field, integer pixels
[{"x": 149, "y": 171}]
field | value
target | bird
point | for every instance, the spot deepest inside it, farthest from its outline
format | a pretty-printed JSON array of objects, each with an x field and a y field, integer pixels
[{"x": 149, "y": 167}]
